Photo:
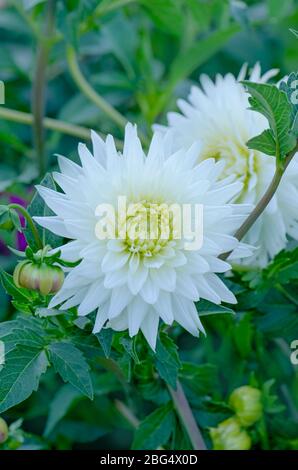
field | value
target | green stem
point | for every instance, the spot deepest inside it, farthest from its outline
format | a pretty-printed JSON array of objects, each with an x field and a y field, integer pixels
[
  {"x": 187, "y": 418},
  {"x": 30, "y": 222},
  {"x": 264, "y": 201},
  {"x": 39, "y": 88},
  {"x": 127, "y": 413},
  {"x": 49, "y": 123},
  {"x": 88, "y": 91}
]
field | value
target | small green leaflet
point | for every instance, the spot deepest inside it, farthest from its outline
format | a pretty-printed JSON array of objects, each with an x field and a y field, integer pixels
[
  {"x": 204, "y": 308},
  {"x": 156, "y": 429},
  {"x": 20, "y": 376},
  {"x": 40, "y": 209},
  {"x": 105, "y": 338},
  {"x": 273, "y": 104},
  {"x": 167, "y": 360},
  {"x": 290, "y": 87},
  {"x": 70, "y": 364}
]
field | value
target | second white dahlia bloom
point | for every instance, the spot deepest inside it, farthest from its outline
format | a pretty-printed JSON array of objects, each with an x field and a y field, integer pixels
[
  {"x": 132, "y": 283},
  {"x": 217, "y": 116}
]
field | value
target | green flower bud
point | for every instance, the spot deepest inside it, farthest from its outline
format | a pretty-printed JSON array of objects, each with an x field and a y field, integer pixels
[
  {"x": 246, "y": 401},
  {"x": 40, "y": 277},
  {"x": 229, "y": 435},
  {"x": 3, "y": 431}
]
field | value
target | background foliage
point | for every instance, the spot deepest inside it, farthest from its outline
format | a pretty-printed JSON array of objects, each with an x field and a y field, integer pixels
[{"x": 139, "y": 56}]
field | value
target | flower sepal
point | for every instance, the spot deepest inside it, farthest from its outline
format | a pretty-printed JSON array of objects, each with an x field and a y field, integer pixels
[
  {"x": 9, "y": 219},
  {"x": 36, "y": 273}
]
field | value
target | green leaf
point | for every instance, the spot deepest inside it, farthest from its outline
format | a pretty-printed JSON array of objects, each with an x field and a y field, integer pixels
[
  {"x": 156, "y": 429},
  {"x": 31, "y": 3},
  {"x": 202, "y": 378},
  {"x": 20, "y": 375},
  {"x": 290, "y": 87},
  {"x": 199, "y": 53},
  {"x": 105, "y": 338},
  {"x": 243, "y": 335},
  {"x": 204, "y": 308},
  {"x": 40, "y": 209},
  {"x": 21, "y": 336},
  {"x": 166, "y": 14},
  {"x": 66, "y": 396},
  {"x": 129, "y": 345},
  {"x": 184, "y": 64},
  {"x": 70, "y": 364},
  {"x": 273, "y": 104},
  {"x": 17, "y": 293},
  {"x": 15, "y": 220},
  {"x": 167, "y": 359},
  {"x": 283, "y": 268}
]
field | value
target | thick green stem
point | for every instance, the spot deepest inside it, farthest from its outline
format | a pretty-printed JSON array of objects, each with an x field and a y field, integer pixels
[
  {"x": 88, "y": 91},
  {"x": 29, "y": 221},
  {"x": 39, "y": 88},
  {"x": 264, "y": 201},
  {"x": 187, "y": 418},
  {"x": 49, "y": 123}
]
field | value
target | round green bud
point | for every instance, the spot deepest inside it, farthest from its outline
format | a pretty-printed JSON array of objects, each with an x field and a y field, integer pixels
[
  {"x": 229, "y": 435},
  {"x": 3, "y": 431},
  {"x": 40, "y": 277},
  {"x": 246, "y": 401}
]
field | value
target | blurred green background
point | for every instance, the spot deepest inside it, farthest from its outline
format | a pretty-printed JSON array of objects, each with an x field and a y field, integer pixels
[{"x": 139, "y": 56}]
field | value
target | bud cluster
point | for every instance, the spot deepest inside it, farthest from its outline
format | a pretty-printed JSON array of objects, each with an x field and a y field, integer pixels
[{"x": 231, "y": 434}]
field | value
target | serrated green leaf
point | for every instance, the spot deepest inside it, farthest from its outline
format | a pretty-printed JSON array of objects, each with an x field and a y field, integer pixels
[
  {"x": 167, "y": 359},
  {"x": 105, "y": 338},
  {"x": 274, "y": 105},
  {"x": 20, "y": 375},
  {"x": 22, "y": 337},
  {"x": 290, "y": 87},
  {"x": 70, "y": 364},
  {"x": 155, "y": 430},
  {"x": 130, "y": 347}
]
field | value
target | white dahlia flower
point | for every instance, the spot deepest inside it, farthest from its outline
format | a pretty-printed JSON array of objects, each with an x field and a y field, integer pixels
[
  {"x": 217, "y": 116},
  {"x": 133, "y": 282}
]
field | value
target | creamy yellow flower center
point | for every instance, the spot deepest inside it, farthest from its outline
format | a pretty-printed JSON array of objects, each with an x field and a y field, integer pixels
[
  {"x": 148, "y": 227},
  {"x": 239, "y": 160}
]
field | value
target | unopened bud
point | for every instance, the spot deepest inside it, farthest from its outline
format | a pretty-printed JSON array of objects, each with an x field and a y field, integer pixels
[
  {"x": 229, "y": 435},
  {"x": 246, "y": 401},
  {"x": 41, "y": 277},
  {"x": 3, "y": 431}
]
